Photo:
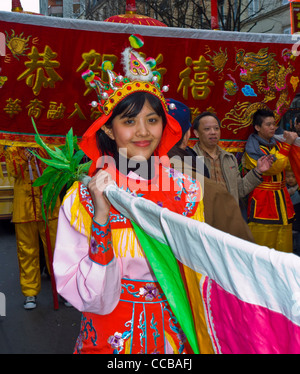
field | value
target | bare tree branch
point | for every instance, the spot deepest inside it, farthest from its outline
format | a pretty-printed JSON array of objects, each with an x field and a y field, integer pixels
[{"x": 233, "y": 14}]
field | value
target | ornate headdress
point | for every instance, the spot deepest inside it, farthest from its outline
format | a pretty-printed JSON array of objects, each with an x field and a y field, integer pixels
[{"x": 139, "y": 76}]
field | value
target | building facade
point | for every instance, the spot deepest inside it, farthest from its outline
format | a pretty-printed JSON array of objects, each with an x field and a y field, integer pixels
[
  {"x": 267, "y": 16},
  {"x": 63, "y": 8}
]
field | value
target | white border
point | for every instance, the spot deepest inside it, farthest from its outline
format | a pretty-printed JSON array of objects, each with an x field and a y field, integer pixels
[{"x": 155, "y": 31}]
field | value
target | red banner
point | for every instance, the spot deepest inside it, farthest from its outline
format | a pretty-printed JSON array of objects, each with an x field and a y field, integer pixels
[
  {"x": 231, "y": 74},
  {"x": 295, "y": 17}
]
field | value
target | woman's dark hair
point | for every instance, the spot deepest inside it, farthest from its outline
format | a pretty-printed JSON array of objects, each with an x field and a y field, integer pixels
[
  {"x": 204, "y": 114},
  {"x": 130, "y": 107}
]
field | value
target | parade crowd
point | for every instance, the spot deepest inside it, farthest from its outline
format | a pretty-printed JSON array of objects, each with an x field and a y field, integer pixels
[{"x": 99, "y": 265}]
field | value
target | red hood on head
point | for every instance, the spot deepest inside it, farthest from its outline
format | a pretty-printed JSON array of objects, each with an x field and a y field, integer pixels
[{"x": 171, "y": 135}]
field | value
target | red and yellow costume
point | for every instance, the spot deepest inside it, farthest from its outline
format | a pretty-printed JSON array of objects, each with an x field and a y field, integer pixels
[
  {"x": 27, "y": 217},
  {"x": 270, "y": 210},
  {"x": 102, "y": 270}
]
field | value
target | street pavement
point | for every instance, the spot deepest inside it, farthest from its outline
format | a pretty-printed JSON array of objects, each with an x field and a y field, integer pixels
[{"x": 39, "y": 331}]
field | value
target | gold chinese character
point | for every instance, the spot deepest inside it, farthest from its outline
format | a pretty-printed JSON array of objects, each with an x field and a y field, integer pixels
[
  {"x": 55, "y": 111},
  {"x": 194, "y": 113},
  {"x": 40, "y": 70},
  {"x": 200, "y": 82},
  {"x": 13, "y": 107},
  {"x": 185, "y": 82},
  {"x": 93, "y": 61},
  {"x": 78, "y": 112},
  {"x": 95, "y": 113},
  {"x": 3, "y": 79},
  {"x": 35, "y": 108}
]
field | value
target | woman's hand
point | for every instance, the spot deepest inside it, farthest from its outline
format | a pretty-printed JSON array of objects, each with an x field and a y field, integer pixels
[{"x": 96, "y": 187}]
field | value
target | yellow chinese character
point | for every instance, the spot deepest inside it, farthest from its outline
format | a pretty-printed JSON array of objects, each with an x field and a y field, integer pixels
[
  {"x": 93, "y": 61},
  {"x": 185, "y": 82},
  {"x": 40, "y": 70},
  {"x": 35, "y": 108},
  {"x": 3, "y": 79},
  {"x": 95, "y": 113},
  {"x": 13, "y": 107},
  {"x": 194, "y": 113},
  {"x": 55, "y": 111},
  {"x": 199, "y": 83},
  {"x": 78, "y": 112},
  {"x": 298, "y": 20}
]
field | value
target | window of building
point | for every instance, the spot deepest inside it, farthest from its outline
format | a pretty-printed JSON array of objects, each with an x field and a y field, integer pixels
[
  {"x": 221, "y": 8},
  {"x": 76, "y": 8},
  {"x": 253, "y": 7}
]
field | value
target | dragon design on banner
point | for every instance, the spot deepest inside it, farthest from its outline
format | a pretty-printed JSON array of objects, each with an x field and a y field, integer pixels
[
  {"x": 231, "y": 74},
  {"x": 265, "y": 76}
]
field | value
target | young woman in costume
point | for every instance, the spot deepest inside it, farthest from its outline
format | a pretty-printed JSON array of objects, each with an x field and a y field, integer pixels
[{"x": 99, "y": 264}]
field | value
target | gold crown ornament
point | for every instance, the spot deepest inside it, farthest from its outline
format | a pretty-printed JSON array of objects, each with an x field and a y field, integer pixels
[{"x": 139, "y": 76}]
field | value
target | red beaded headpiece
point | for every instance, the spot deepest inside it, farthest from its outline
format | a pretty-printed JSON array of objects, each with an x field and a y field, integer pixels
[{"x": 139, "y": 77}]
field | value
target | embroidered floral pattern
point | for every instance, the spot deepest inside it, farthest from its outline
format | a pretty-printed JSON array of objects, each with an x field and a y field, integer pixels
[
  {"x": 86, "y": 198},
  {"x": 149, "y": 292},
  {"x": 97, "y": 244},
  {"x": 87, "y": 332},
  {"x": 174, "y": 326},
  {"x": 143, "y": 327},
  {"x": 187, "y": 186},
  {"x": 94, "y": 245},
  {"x": 117, "y": 218},
  {"x": 153, "y": 326},
  {"x": 117, "y": 340},
  {"x": 148, "y": 327},
  {"x": 99, "y": 231}
]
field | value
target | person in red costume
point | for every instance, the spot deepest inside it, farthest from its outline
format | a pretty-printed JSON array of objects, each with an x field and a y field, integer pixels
[
  {"x": 99, "y": 264},
  {"x": 270, "y": 210}
]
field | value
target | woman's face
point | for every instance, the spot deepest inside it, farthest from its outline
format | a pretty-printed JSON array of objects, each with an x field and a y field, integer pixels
[{"x": 137, "y": 137}]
